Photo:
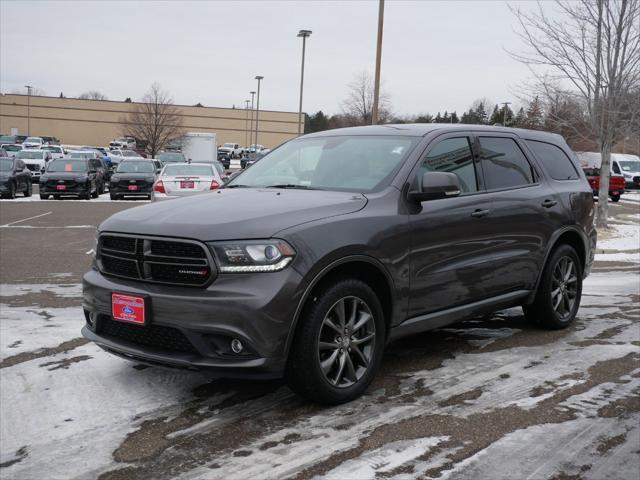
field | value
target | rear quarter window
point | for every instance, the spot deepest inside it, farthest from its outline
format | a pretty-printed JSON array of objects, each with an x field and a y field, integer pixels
[{"x": 556, "y": 163}]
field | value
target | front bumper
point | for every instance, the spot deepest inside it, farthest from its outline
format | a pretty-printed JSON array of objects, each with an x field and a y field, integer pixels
[
  {"x": 75, "y": 190},
  {"x": 142, "y": 191},
  {"x": 257, "y": 309}
]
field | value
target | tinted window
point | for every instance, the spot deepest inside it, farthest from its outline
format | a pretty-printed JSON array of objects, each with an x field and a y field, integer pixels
[
  {"x": 503, "y": 163},
  {"x": 452, "y": 155},
  {"x": 188, "y": 169},
  {"x": 6, "y": 165},
  {"x": 554, "y": 160},
  {"x": 129, "y": 166},
  {"x": 616, "y": 169}
]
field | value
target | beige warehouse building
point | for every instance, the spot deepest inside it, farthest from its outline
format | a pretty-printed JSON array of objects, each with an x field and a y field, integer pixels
[{"x": 97, "y": 122}]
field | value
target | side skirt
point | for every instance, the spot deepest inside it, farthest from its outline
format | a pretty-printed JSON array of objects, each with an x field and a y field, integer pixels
[{"x": 442, "y": 318}]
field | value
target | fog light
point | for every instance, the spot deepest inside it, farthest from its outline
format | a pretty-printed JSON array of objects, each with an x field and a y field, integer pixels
[{"x": 236, "y": 345}]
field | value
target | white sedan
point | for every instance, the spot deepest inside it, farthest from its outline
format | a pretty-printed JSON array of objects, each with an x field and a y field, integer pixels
[{"x": 184, "y": 179}]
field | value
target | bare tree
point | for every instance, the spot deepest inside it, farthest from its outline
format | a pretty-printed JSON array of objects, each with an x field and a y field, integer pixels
[
  {"x": 595, "y": 47},
  {"x": 358, "y": 106},
  {"x": 92, "y": 95},
  {"x": 155, "y": 120}
]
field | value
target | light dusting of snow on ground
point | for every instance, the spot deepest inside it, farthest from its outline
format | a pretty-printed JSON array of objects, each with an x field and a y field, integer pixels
[
  {"x": 70, "y": 290},
  {"x": 65, "y": 413}
]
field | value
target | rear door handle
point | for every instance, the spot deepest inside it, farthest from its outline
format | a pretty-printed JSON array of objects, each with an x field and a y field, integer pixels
[
  {"x": 480, "y": 213},
  {"x": 548, "y": 203}
]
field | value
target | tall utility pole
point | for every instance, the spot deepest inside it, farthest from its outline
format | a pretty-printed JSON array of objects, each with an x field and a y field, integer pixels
[
  {"x": 259, "y": 78},
  {"x": 253, "y": 94},
  {"x": 376, "y": 85},
  {"x": 304, "y": 34},
  {"x": 28, "y": 87},
  {"x": 246, "y": 121},
  {"x": 504, "y": 115}
]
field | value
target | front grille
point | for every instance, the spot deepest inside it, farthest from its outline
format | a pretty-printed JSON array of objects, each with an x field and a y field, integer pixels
[
  {"x": 33, "y": 168},
  {"x": 156, "y": 336},
  {"x": 139, "y": 183},
  {"x": 177, "y": 262},
  {"x": 67, "y": 183}
]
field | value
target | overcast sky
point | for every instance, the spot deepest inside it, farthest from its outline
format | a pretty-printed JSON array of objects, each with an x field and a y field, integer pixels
[{"x": 436, "y": 56}]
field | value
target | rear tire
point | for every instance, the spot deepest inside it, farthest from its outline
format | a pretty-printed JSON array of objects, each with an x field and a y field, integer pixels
[
  {"x": 334, "y": 357},
  {"x": 558, "y": 298},
  {"x": 44, "y": 196},
  {"x": 12, "y": 191},
  {"x": 615, "y": 198},
  {"x": 113, "y": 196}
]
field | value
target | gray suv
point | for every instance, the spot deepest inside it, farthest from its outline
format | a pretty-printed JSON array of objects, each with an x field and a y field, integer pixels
[{"x": 308, "y": 263}]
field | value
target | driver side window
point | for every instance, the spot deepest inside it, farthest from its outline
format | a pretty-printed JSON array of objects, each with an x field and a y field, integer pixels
[{"x": 452, "y": 155}]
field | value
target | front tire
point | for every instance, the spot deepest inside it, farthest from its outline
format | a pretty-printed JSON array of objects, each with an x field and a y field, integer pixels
[
  {"x": 338, "y": 345},
  {"x": 558, "y": 298},
  {"x": 615, "y": 198},
  {"x": 44, "y": 196}
]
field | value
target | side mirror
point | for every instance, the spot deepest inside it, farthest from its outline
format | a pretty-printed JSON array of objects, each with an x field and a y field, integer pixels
[{"x": 436, "y": 185}]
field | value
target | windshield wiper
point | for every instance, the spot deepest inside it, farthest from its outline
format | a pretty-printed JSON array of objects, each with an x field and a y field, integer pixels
[
  {"x": 290, "y": 185},
  {"x": 237, "y": 186}
]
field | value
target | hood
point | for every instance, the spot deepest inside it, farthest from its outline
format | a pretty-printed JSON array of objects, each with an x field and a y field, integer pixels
[
  {"x": 233, "y": 214},
  {"x": 34, "y": 161},
  {"x": 63, "y": 175},
  {"x": 116, "y": 177}
]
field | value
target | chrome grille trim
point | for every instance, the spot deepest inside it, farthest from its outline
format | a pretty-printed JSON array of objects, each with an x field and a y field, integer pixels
[{"x": 143, "y": 258}]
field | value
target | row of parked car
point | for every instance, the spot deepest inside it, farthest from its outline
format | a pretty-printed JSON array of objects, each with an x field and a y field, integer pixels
[{"x": 86, "y": 174}]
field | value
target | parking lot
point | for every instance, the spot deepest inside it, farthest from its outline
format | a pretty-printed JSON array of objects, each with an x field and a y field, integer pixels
[{"x": 493, "y": 397}]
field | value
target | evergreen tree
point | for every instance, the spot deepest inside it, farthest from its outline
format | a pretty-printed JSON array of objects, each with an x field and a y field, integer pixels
[
  {"x": 454, "y": 117},
  {"x": 318, "y": 122},
  {"x": 496, "y": 116},
  {"x": 521, "y": 119},
  {"x": 535, "y": 119},
  {"x": 61, "y": 95},
  {"x": 438, "y": 118},
  {"x": 127, "y": 100},
  {"x": 424, "y": 118},
  {"x": 481, "y": 114}
]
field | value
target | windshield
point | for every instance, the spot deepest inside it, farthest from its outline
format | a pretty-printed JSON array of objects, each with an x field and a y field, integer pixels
[
  {"x": 7, "y": 138},
  {"x": 135, "y": 167},
  {"x": 33, "y": 139},
  {"x": 6, "y": 164},
  {"x": 629, "y": 165},
  {"x": 228, "y": 145},
  {"x": 188, "y": 169},
  {"x": 343, "y": 163},
  {"x": 67, "y": 166},
  {"x": 80, "y": 155},
  {"x": 12, "y": 148},
  {"x": 167, "y": 157},
  {"x": 30, "y": 155},
  {"x": 53, "y": 149}
]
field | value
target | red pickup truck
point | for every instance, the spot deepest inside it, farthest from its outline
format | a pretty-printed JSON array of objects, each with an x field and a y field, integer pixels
[{"x": 616, "y": 183}]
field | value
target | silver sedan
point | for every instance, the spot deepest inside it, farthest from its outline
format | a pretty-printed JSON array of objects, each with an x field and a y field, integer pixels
[{"x": 184, "y": 179}]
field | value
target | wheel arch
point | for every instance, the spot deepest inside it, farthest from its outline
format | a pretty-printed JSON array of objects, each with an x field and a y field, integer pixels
[
  {"x": 365, "y": 268},
  {"x": 567, "y": 236}
]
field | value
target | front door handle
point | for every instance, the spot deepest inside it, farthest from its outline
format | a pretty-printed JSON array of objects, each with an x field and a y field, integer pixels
[
  {"x": 480, "y": 213},
  {"x": 548, "y": 203}
]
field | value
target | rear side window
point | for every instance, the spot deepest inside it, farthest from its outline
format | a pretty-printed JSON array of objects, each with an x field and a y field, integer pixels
[
  {"x": 452, "y": 155},
  {"x": 557, "y": 164},
  {"x": 504, "y": 164},
  {"x": 615, "y": 167}
]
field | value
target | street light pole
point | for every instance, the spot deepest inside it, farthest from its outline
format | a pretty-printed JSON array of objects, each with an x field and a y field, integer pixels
[
  {"x": 28, "y": 87},
  {"x": 251, "y": 122},
  {"x": 504, "y": 115},
  {"x": 259, "y": 78},
  {"x": 304, "y": 34},
  {"x": 376, "y": 84},
  {"x": 246, "y": 120}
]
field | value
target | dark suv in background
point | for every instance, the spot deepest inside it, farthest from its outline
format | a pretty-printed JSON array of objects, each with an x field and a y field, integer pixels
[{"x": 308, "y": 263}]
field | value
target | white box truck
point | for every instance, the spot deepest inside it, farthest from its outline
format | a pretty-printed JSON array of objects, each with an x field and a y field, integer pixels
[{"x": 200, "y": 147}]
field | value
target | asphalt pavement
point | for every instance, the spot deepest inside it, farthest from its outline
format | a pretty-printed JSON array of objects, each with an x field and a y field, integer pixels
[{"x": 493, "y": 397}]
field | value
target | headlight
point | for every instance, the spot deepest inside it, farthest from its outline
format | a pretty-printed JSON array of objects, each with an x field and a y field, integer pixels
[
  {"x": 627, "y": 175},
  {"x": 252, "y": 256},
  {"x": 115, "y": 178}
]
